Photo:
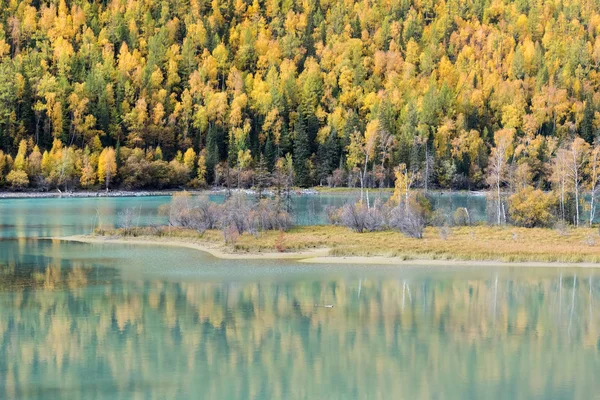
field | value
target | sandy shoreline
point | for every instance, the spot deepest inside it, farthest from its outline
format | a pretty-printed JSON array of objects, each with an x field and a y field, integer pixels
[
  {"x": 213, "y": 249},
  {"x": 316, "y": 256}
]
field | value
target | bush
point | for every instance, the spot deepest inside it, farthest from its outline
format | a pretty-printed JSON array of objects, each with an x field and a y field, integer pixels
[
  {"x": 267, "y": 216},
  {"x": 462, "y": 217},
  {"x": 237, "y": 215},
  {"x": 207, "y": 213},
  {"x": 179, "y": 210},
  {"x": 127, "y": 218},
  {"x": 408, "y": 219},
  {"x": 361, "y": 218},
  {"x": 531, "y": 207},
  {"x": 17, "y": 179},
  {"x": 334, "y": 215},
  {"x": 438, "y": 218}
]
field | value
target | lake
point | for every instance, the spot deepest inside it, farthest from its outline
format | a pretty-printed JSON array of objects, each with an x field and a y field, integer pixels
[
  {"x": 106, "y": 321},
  {"x": 52, "y": 217}
]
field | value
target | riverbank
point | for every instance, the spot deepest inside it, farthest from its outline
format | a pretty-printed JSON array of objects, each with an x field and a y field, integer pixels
[
  {"x": 142, "y": 193},
  {"x": 315, "y": 191},
  {"x": 477, "y": 246}
]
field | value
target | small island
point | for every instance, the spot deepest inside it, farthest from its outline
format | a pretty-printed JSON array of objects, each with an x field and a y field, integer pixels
[
  {"x": 476, "y": 245},
  {"x": 402, "y": 231}
]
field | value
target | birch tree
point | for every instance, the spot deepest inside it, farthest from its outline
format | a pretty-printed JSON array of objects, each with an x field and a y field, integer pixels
[
  {"x": 579, "y": 152},
  {"x": 361, "y": 150},
  {"x": 594, "y": 181},
  {"x": 560, "y": 177},
  {"x": 498, "y": 167}
]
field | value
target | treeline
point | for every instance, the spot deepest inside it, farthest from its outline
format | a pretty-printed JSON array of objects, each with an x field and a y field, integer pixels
[{"x": 169, "y": 93}]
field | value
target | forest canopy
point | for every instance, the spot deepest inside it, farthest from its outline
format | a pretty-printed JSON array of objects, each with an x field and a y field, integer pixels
[{"x": 339, "y": 92}]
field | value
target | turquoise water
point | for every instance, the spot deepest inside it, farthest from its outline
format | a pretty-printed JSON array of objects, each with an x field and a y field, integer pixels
[
  {"x": 81, "y": 321},
  {"x": 69, "y": 216}
]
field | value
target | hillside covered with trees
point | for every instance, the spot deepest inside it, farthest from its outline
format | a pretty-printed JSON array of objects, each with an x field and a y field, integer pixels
[{"x": 155, "y": 94}]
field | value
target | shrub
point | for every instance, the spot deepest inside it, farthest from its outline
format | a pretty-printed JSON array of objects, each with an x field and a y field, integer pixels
[
  {"x": 531, "y": 207},
  {"x": 562, "y": 228},
  {"x": 444, "y": 232},
  {"x": 186, "y": 212},
  {"x": 438, "y": 218},
  {"x": 179, "y": 210},
  {"x": 126, "y": 218},
  {"x": 266, "y": 216},
  {"x": 408, "y": 219},
  {"x": 178, "y": 173},
  {"x": 280, "y": 244},
  {"x": 236, "y": 215},
  {"x": 337, "y": 178},
  {"x": 361, "y": 218},
  {"x": 208, "y": 213},
  {"x": 334, "y": 215},
  {"x": 240, "y": 215},
  {"x": 17, "y": 179},
  {"x": 462, "y": 217}
]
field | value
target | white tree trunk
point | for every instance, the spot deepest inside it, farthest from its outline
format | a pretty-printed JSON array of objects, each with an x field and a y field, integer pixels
[{"x": 576, "y": 195}]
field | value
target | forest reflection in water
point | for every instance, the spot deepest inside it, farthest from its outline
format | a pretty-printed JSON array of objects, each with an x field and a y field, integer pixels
[{"x": 82, "y": 329}]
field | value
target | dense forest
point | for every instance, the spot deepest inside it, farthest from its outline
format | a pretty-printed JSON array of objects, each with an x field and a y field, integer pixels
[{"x": 154, "y": 94}]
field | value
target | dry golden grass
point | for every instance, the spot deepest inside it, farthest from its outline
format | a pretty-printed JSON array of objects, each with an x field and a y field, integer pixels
[{"x": 477, "y": 243}]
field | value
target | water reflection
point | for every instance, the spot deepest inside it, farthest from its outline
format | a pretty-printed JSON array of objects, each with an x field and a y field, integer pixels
[{"x": 79, "y": 329}]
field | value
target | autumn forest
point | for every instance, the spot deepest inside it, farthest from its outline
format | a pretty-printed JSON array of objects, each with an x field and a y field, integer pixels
[{"x": 156, "y": 94}]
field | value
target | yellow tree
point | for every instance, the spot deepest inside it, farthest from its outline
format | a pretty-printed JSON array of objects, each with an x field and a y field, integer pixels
[
  {"x": 34, "y": 162},
  {"x": 18, "y": 178},
  {"x": 189, "y": 159},
  {"x": 20, "y": 160},
  {"x": 2, "y": 165},
  {"x": 88, "y": 170},
  {"x": 404, "y": 180},
  {"x": 107, "y": 166},
  {"x": 360, "y": 151},
  {"x": 202, "y": 168}
]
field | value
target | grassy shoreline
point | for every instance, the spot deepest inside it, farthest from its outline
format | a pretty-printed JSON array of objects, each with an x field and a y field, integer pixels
[{"x": 480, "y": 245}]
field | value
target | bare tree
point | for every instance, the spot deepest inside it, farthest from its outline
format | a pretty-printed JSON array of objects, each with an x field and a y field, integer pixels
[
  {"x": 498, "y": 168},
  {"x": 127, "y": 218},
  {"x": 407, "y": 219},
  {"x": 361, "y": 218},
  {"x": 594, "y": 182},
  {"x": 578, "y": 157},
  {"x": 559, "y": 176}
]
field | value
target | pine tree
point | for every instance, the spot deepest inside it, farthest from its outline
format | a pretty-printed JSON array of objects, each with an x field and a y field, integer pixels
[
  {"x": 301, "y": 154},
  {"x": 263, "y": 176},
  {"x": 270, "y": 153},
  {"x": 587, "y": 123},
  {"x": 327, "y": 157},
  {"x": 212, "y": 155}
]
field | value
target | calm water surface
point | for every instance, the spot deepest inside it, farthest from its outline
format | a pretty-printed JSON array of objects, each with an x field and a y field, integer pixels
[
  {"x": 81, "y": 321},
  {"x": 68, "y": 216}
]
